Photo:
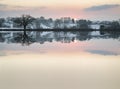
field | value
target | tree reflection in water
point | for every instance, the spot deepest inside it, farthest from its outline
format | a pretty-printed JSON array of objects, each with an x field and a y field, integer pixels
[
  {"x": 27, "y": 38},
  {"x": 23, "y": 38}
]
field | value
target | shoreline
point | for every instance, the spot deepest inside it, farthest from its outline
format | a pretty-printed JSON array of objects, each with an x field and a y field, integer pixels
[{"x": 59, "y": 30}]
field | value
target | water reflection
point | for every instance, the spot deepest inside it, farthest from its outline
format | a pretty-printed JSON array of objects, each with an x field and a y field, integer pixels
[
  {"x": 27, "y": 38},
  {"x": 96, "y": 42},
  {"x": 59, "y": 60},
  {"x": 102, "y": 52}
]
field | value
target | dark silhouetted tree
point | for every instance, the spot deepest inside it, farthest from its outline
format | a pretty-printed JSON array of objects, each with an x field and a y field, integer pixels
[
  {"x": 24, "y": 21},
  {"x": 102, "y": 27},
  {"x": 73, "y": 21},
  {"x": 115, "y": 25}
]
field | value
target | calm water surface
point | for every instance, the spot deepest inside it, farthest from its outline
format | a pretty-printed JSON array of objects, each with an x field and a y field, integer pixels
[{"x": 60, "y": 60}]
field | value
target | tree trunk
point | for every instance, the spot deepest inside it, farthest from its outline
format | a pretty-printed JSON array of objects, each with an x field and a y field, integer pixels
[{"x": 24, "y": 28}]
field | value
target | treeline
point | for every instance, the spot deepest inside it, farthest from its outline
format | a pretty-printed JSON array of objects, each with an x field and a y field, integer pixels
[
  {"x": 114, "y": 25},
  {"x": 29, "y": 22}
]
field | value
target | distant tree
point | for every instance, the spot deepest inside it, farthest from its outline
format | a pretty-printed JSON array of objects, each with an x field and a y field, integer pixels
[
  {"x": 37, "y": 23},
  {"x": 24, "y": 20},
  {"x": 57, "y": 23},
  {"x": 83, "y": 24},
  {"x": 2, "y": 20},
  {"x": 73, "y": 21},
  {"x": 89, "y": 22},
  {"x": 111, "y": 26},
  {"x": 50, "y": 20},
  {"x": 42, "y": 20},
  {"x": 119, "y": 21},
  {"x": 115, "y": 25},
  {"x": 102, "y": 27}
]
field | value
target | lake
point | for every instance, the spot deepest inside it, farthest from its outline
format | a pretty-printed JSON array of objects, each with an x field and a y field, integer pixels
[{"x": 59, "y": 60}]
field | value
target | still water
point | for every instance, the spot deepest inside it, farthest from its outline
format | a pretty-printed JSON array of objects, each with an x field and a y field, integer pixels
[{"x": 60, "y": 60}]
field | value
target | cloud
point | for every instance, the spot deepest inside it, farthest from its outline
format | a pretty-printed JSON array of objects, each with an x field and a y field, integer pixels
[
  {"x": 102, "y": 7},
  {"x": 5, "y": 7},
  {"x": 12, "y": 10},
  {"x": 102, "y": 52}
]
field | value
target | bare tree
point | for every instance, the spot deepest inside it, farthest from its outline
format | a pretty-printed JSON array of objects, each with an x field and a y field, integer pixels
[{"x": 23, "y": 21}]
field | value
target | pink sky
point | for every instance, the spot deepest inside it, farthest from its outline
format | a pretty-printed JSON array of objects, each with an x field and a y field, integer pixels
[{"x": 87, "y": 9}]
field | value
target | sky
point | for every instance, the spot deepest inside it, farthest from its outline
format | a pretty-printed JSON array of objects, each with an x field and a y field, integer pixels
[{"x": 79, "y": 9}]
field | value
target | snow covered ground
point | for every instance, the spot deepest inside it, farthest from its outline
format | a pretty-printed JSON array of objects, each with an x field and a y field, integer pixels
[
  {"x": 95, "y": 26},
  {"x": 51, "y": 26}
]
